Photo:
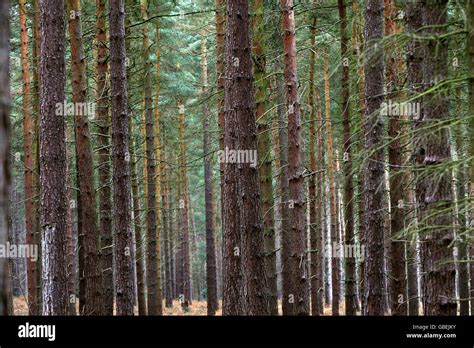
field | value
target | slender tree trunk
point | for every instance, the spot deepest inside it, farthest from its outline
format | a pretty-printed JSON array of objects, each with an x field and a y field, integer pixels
[
  {"x": 415, "y": 63},
  {"x": 462, "y": 230},
  {"x": 398, "y": 184},
  {"x": 283, "y": 165},
  {"x": 373, "y": 174},
  {"x": 437, "y": 206},
  {"x": 53, "y": 159},
  {"x": 185, "y": 282},
  {"x": 167, "y": 217},
  {"x": 137, "y": 222},
  {"x": 157, "y": 146},
  {"x": 211, "y": 279},
  {"x": 335, "y": 261},
  {"x": 29, "y": 162},
  {"x": 124, "y": 280},
  {"x": 4, "y": 148},
  {"x": 92, "y": 273},
  {"x": 351, "y": 283},
  {"x": 321, "y": 221},
  {"x": 152, "y": 261},
  {"x": 295, "y": 278},
  {"x": 264, "y": 151},
  {"x": 315, "y": 211},
  {"x": 358, "y": 44},
  {"x": 103, "y": 122}
]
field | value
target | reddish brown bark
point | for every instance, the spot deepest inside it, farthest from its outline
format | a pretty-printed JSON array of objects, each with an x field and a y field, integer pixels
[
  {"x": 29, "y": 162},
  {"x": 295, "y": 282}
]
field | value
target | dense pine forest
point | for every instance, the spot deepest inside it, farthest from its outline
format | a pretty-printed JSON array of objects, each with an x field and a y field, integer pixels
[{"x": 237, "y": 157}]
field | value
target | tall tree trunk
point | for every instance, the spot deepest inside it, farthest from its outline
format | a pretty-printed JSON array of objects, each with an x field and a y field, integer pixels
[
  {"x": 314, "y": 188},
  {"x": 29, "y": 162},
  {"x": 415, "y": 63},
  {"x": 152, "y": 261},
  {"x": 437, "y": 206},
  {"x": 358, "y": 44},
  {"x": 282, "y": 128},
  {"x": 245, "y": 289},
  {"x": 157, "y": 147},
  {"x": 185, "y": 282},
  {"x": 264, "y": 151},
  {"x": 351, "y": 283},
  {"x": 36, "y": 108},
  {"x": 335, "y": 261},
  {"x": 124, "y": 280},
  {"x": 4, "y": 148},
  {"x": 92, "y": 273},
  {"x": 373, "y": 174},
  {"x": 211, "y": 279},
  {"x": 53, "y": 159},
  {"x": 103, "y": 123},
  {"x": 295, "y": 278},
  {"x": 398, "y": 184}
]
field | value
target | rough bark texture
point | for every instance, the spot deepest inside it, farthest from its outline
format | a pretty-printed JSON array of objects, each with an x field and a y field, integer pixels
[
  {"x": 104, "y": 190},
  {"x": 398, "y": 206},
  {"x": 29, "y": 161},
  {"x": 53, "y": 159},
  {"x": 373, "y": 174},
  {"x": 36, "y": 108},
  {"x": 211, "y": 278},
  {"x": 151, "y": 218},
  {"x": 244, "y": 273},
  {"x": 294, "y": 248},
  {"x": 264, "y": 151},
  {"x": 350, "y": 262},
  {"x": 89, "y": 242},
  {"x": 4, "y": 148},
  {"x": 124, "y": 283},
  {"x": 437, "y": 207}
]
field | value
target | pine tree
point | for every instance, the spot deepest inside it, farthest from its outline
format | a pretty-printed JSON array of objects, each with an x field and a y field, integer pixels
[
  {"x": 124, "y": 285},
  {"x": 29, "y": 162},
  {"x": 373, "y": 174},
  {"x": 295, "y": 282}
]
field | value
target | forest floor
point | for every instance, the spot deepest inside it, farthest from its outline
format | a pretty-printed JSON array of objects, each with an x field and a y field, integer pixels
[{"x": 197, "y": 308}]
